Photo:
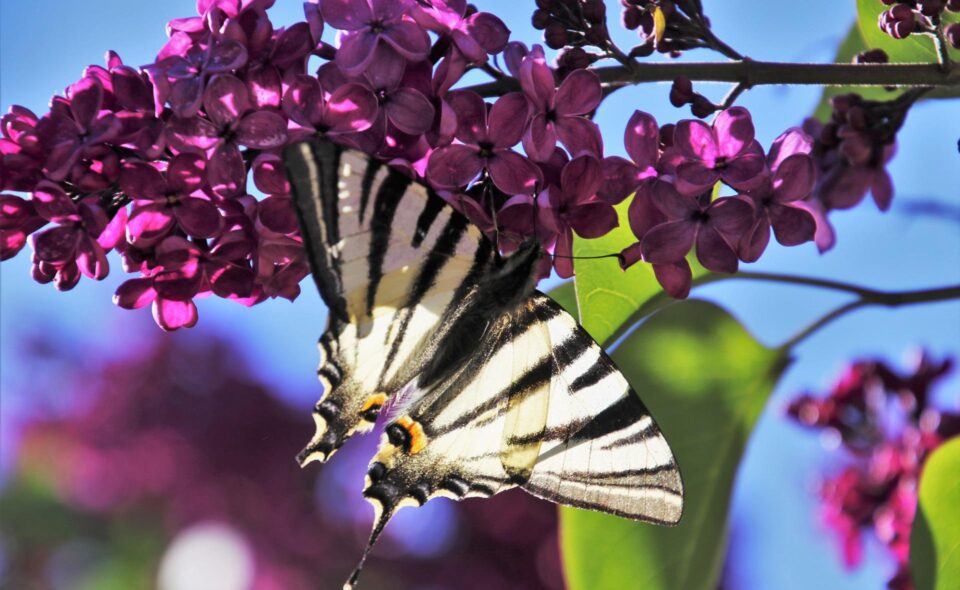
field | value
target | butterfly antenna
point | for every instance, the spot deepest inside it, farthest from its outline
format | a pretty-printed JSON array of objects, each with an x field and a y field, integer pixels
[{"x": 383, "y": 517}]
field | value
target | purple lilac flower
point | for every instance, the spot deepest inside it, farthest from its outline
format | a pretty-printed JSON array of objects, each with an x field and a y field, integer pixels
[
  {"x": 188, "y": 72},
  {"x": 623, "y": 177},
  {"x": 348, "y": 109},
  {"x": 366, "y": 23},
  {"x": 474, "y": 36}
]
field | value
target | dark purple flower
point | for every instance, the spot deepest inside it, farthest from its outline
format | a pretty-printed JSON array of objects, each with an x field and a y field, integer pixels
[
  {"x": 189, "y": 71},
  {"x": 367, "y": 22},
  {"x": 575, "y": 206},
  {"x": 349, "y": 109},
  {"x": 487, "y": 139},
  {"x": 622, "y": 177},
  {"x": 407, "y": 108},
  {"x": 18, "y": 219},
  {"x": 231, "y": 123},
  {"x": 556, "y": 112},
  {"x": 716, "y": 228},
  {"x": 475, "y": 36},
  {"x": 724, "y": 151},
  {"x": 163, "y": 200},
  {"x": 22, "y": 152},
  {"x": 793, "y": 178}
]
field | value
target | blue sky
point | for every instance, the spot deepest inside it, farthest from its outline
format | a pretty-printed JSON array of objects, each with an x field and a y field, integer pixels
[{"x": 45, "y": 44}]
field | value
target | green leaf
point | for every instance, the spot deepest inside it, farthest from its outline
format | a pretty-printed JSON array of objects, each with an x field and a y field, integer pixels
[
  {"x": 566, "y": 296},
  {"x": 935, "y": 539},
  {"x": 610, "y": 294},
  {"x": 706, "y": 380}
]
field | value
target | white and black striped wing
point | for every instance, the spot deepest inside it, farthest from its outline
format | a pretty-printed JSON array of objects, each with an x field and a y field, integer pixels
[
  {"x": 539, "y": 406},
  {"x": 391, "y": 260}
]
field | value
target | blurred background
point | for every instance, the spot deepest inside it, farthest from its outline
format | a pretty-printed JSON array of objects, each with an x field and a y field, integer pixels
[{"x": 130, "y": 458}]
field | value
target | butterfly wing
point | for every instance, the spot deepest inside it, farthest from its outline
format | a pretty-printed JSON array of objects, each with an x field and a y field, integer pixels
[{"x": 392, "y": 261}]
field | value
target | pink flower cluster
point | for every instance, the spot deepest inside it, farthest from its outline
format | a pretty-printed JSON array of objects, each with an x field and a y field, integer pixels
[
  {"x": 905, "y": 17},
  {"x": 156, "y": 163},
  {"x": 886, "y": 421}
]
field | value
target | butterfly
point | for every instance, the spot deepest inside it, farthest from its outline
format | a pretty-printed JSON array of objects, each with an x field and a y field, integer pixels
[{"x": 489, "y": 384}]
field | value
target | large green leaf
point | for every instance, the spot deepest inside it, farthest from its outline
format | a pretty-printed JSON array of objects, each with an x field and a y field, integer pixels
[
  {"x": 935, "y": 540},
  {"x": 706, "y": 380},
  {"x": 612, "y": 295}
]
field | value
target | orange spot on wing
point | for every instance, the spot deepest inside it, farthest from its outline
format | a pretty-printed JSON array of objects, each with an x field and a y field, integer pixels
[
  {"x": 374, "y": 401},
  {"x": 418, "y": 439}
]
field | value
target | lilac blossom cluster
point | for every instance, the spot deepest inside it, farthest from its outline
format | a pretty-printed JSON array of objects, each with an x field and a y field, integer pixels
[
  {"x": 155, "y": 163},
  {"x": 908, "y": 17},
  {"x": 889, "y": 425}
]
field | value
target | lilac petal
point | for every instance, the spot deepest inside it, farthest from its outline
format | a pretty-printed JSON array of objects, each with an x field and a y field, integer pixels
[
  {"x": 734, "y": 131},
  {"x": 449, "y": 71},
  {"x": 825, "y": 236},
  {"x": 294, "y": 44},
  {"x": 14, "y": 211},
  {"x": 540, "y": 139},
  {"x": 410, "y": 111},
  {"x": 696, "y": 141},
  {"x": 234, "y": 281},
  {"x": 408, "y": 39},
  {"x": 356, "y": 52},
  {"x": 674, "y": 204},
  {"x": 148, "y": 225},
  {"x": 620, "y": 179},
  {"x": 57, "y": 245},
  {"x": 67, "y": 277},
  {"x": 518, "y": 215},
  {"x": 269, "y": 174},
  {"x": 747, "y": 170},
  {"x": 346, "y": 15},
  {"x": 468, "y": 47},
  {"x": 578, "y": 94},
  {"x": 140, "y": 180},
  {"x": 262, "y": 130},
  {"x": 844, "y": 187},
  {"x": 114, "y": 230},
  {"x": 276, "y": 214},
  {"x": 792, "y": 141},
  {"x": 192, "y": 135},
  {"x": 386, "y": 69},
  {"x": 537, "y": 81},
  {"x": 186, "y": 173},
  {"x": 173, "y": 315},
  {"x": 563, "y": 254},
  {"x": 580, "y": 136},
  {"x": 199, "y": 218},
  {"x": 303, "y": 100},
  {"x": 226, "y": 56},
  {"x": 135, "y": 293},
  {"x": 755, "y": 240},
  {"x": 61, "y": 159},
  {"x": 714, "y": 253},
  {"x": 675, "y": 278},
  {"x": 513, "y": 55},
  {"x": 668, "y": 242},
  {"x": 351, "y": 108},
  {"x": 489, "y": 31},
  {"x": 792, "y": 226},
  {"x": 694, "y": 178},
  {"x": 132, "y": 91},
  {"x": 11, "y": 242},
  {"x": 506, "y": 120},
  {"x": 881, "y": 187},
  {"x": 512, "y": 173},
  {"x": 643, "y": 214},
  {"x": 86, "y": 98},
  {"x": 227, "y": 172},
  {"x": 731, "y": 217},
  {"x": 453, "y": 166},
  {"x": 594, "y": 220},
  {"x": 642, "y": 139},
  {"x": 53, "y": 204},
  {"x": 93, "y": 217},
  {"x": 794, "y": 178},
  {"x": 92, "y": 260},
  {"x": 630, "y": 255},
  {"x": 264, "y": 86},
  {"x": 389, "y": 10},
  {"x": 311, "y": 13},
  {"x": 580, "y": 179},
  {"x": 225, "y": 99},
  {"x": 471, "y": 116}
]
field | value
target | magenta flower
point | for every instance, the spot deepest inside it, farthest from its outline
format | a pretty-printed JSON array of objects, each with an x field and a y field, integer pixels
[
  {"x": 474, "y": 36},
  {"x": 366, "y": 23},
  {"x": 22, "y": 153},
  {"x": 556, "y": 112},
  {"x": 793, "y": 178},
  {"x": 80, "y": 238},
  {"x": 408, "y": 109},
  {"x": 163, "y": 200},
  {"x": 349, "y": 109},
  {"x": 231, "y": 123},
  {"x": 623, "y": 177},
  {"x": 188, "y": 72},
  {"x": 280, "y": 266},
  {"x": 75, "y": 126},
  {"x": 724, "y": 151},
  {"x": 18, "y": 219},
  {"x": 575, "y": 206},
  {"x": 275, "y": 214},
  {"x": 487, "y": 139},
  {"x": 715, "y": 227},
  {"x": 183, "y": 272}
]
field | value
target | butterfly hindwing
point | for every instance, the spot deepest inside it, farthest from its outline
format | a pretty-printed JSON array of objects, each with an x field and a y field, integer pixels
[{"x": 390, "y": 260}]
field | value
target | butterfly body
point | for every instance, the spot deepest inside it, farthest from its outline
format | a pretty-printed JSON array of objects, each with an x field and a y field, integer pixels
[{"x": 491, "y": 385}]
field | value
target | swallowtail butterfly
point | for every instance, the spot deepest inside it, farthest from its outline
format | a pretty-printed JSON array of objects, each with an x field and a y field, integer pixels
[{"x": 490, "y": 384}]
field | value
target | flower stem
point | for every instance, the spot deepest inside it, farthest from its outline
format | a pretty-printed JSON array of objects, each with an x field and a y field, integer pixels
[{"x": 757, "y": 73}]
